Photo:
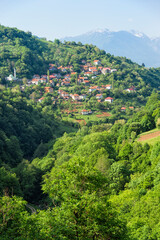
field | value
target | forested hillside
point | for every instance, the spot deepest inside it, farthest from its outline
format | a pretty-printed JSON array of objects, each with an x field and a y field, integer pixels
[{"x": 65, "y": 175}]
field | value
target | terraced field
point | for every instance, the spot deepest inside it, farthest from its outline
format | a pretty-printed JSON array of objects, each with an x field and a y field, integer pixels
[{"x": 150, "y": 137}]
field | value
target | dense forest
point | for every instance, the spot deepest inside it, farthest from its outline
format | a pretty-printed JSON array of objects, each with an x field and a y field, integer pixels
[{"x": 61, "y": 179}]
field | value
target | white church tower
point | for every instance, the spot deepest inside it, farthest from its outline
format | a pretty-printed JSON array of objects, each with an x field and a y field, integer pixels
[
  {"x": 15, "y": 73},
  {"x": 11, "y": 77}
]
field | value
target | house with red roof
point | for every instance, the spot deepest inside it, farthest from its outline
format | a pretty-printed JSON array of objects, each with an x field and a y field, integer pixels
[
  {"x": 52, "y": 76},
  {"x": 108, "y": 99},
  {"x": 87, "y": 73},
  {"x": 123, "y": 109},
  {"x": 48, "y": 90},
  {"x": 95, "y": 72},
  {"x": 94, "y": 88},
  {"x": 40, "y": 99},
  {"x": 52, "y": 67},
  {"x": 66, "y": 98},
  {"x": 75, "y": 96},
  {"x": 99, "y": 96},
  {"x": 108, "y": 86},
  {"x": 80, "y": 80},
  {"x": 100, "y": 68},
  {"x": 66, "y": 83},
  {"x": 82, "y": 96},
  {"x": 130, "y": 90},
  {"x": 59, "y": 68},
  {"x": 86, "y": 112},
  {"x": 97, "y": 62},
  {"x": 85, "y": 67},
  {"x": 92, "y": 69},
  {"x": 67, "y": 76},
  {"x": 106, "y": 70},
  {"x": 58, "y": 84},
  {"x": 64, "y": 94},
  {"x": 60, "y": 91},
  {"x": 73, "y": 73},
  {"x": 52, "y": 82},
  {"x": 63, "y": 69},
  {"x": 86, "y": 82},
  {"x": 43, "y": 80},
  {"x": 35, "y": 81}
]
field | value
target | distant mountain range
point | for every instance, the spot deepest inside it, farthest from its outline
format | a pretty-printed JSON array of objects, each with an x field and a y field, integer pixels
[{"x": 134, "y": 45}]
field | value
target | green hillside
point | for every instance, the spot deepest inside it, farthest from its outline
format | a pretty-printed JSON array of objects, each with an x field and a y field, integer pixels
[
  {"x": 70, "y": 163},
  {"x": 31, "y": 55}
]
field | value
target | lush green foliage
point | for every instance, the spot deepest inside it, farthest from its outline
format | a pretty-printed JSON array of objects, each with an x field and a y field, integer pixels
[
  {"x": 79, "y": 194},
  {"x": 91, "y": 182},
  {"x": 24, "y": 128}
]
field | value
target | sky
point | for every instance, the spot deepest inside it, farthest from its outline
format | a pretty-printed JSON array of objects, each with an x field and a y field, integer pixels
[{"x": 60, "y": 18}]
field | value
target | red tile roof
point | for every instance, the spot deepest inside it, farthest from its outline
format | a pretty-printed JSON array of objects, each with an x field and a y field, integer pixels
[{"x": 109, "y": 98}]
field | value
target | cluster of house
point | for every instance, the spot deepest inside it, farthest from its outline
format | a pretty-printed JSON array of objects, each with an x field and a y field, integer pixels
[
  {"x": 123, "y": 109},
  {"x": 61, "y": 76},
  {"x": 42, "y": 79},
  {"x": 77, "y": 97},
  {"x": 64, "y": 79},
  {"x": 88, "y": 69},
  {"x": 96, "y": 69}
]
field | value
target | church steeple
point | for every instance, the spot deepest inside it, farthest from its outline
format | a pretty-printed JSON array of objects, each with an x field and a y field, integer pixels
[{"x": 15, "y": 72}]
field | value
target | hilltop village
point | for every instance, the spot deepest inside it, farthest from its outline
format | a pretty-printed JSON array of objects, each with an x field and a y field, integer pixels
[
  {"x": 66, "y": 77},
  {"x": 87, "y": 92}
]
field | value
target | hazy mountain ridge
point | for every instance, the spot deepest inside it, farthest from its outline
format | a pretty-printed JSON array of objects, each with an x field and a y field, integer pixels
[{"x": 134, "y": 45}]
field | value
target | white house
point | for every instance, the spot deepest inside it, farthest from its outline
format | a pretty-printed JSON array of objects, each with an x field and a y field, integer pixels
[
  {"x": 94, "y": 88},
  {"x": 75, "y": 96},
  {"x": 40, "y": 99},
  {"x": 106, "y": 70},
  {"x": 43, "y": 80},
  {"x": 86, "y": 112},
  {"x": 83, "y": 96},
  {"x": 108, "y": 99},
  {"x": 64, "y": 94},
  {"x": 132, "y": 89},
  {"x": 108, "y": 86},
  {"x": 97, "y": 62},
  {"x": 123, "y": 109},
  {"x": 113, "y": 70},
  {"x": 87, "y": 73},
  {"x": 99, "y": 96},
  {"x": 35, "y": 81}
]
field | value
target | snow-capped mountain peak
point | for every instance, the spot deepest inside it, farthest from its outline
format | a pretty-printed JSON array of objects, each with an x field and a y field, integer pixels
[{"x": 137, "y": 34}]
